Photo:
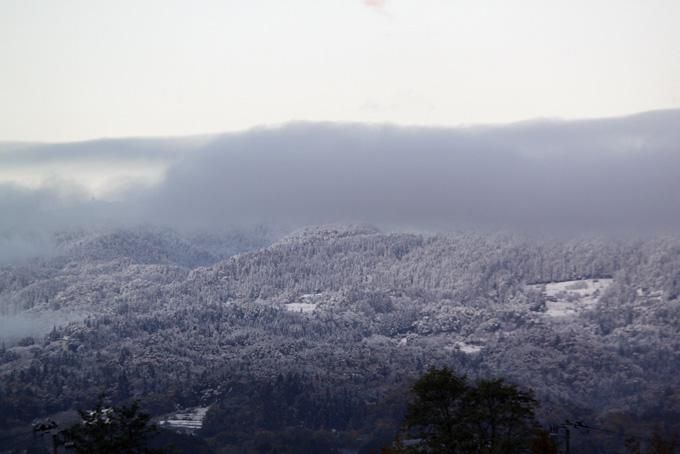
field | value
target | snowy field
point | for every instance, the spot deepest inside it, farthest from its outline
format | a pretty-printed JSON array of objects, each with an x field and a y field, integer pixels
[
  {"x": 308, "y": 303},
  {"x": 301, "y": 307},
  {"x": 464, "y": 347},
  {"x": 568, "y": 298},
  {"x": 190, "y": 419}
]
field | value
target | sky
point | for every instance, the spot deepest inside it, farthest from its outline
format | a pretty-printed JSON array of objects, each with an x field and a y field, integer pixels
[{"x": 84, "y": 69}]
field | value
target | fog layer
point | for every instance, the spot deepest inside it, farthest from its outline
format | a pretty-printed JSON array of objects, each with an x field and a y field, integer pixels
[
  {"x": 611, "y": 174},
  {"x": 598, "y": 174}
]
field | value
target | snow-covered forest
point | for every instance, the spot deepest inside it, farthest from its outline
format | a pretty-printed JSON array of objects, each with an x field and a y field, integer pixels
[{"x": 322, "y": 330}]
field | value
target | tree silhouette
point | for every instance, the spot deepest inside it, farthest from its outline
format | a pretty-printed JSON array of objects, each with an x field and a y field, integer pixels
[
  {"x": 661, "y": 445},
  {"x": 104, "y": 430},
  {"x": 435, "y": 413},
  {"x": 500, "y": 417},
  {"x": 448, "y": 415}
]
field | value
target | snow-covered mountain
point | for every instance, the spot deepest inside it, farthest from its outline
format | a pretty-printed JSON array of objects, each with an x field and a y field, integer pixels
[{"x": 339, "y": 318}]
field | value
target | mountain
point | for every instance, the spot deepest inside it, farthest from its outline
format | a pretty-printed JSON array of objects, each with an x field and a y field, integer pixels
[{"x": 324, "y": 329}]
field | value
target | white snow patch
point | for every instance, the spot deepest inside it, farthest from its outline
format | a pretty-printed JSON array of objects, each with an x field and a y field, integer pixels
[
  {"x": 190, "y": 419},
  {"x": 568, "y": 298},
  {"x": 656, "y": 294},
  {"x": 309, "y": 296},
  {"x": 464, "y": 347},
  {"x": 468, "y": 348},
  {"x": 301, "y": 307},
  {"x": 307, "y": 302}
]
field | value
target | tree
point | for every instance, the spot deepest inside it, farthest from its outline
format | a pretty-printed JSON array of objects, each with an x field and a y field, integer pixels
[
  {"x": 435, "y": 413},
  {"x": 542, "y": 443},
  {"x": 123, "y": 429},
  {"x": 448, "y": 415},
  {"x": 499, "y": 416},
  {"x": 661, "y": 445}
]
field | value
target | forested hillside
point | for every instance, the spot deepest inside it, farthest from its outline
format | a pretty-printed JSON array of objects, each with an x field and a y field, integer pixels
[{"x": 316, "y": 336}]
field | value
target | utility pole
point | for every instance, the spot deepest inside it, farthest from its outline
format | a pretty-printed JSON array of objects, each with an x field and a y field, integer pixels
[
  {"x": 59, "y": 440},
  {"x": 632, "y": 439},
  {"x": 55, "y": 444},
  {"x": 565, "y": 434}
]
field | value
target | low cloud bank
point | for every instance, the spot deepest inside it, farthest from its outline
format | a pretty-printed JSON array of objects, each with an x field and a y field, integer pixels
[
  {"x": 611, "y": 174},
  {"x": 599, "y": 174}
]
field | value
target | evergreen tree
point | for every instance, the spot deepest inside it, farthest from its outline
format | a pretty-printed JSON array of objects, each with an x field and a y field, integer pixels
[
  {"x": 448, "y": 415},
  {"x": 104, "y": 430}
]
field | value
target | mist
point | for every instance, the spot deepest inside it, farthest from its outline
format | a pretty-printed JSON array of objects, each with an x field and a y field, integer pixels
[
  {"x": 14, "y": 328},
  {"x": 588, "y": 175}
]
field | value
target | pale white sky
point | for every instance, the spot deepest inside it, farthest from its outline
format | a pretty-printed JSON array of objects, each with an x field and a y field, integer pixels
[{"x": 80, "y": 69}]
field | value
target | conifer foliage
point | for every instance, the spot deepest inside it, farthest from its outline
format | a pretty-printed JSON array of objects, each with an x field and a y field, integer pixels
[{"x": 104, "y": 430}]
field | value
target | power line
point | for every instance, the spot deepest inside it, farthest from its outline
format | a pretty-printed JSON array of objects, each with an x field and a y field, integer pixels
[{"x": 583, "y": 427}]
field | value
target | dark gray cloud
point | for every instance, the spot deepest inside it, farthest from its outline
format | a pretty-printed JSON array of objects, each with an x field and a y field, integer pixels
[
  {"x": 601, "y": 174},
  {"x": 611, "y": 174}
]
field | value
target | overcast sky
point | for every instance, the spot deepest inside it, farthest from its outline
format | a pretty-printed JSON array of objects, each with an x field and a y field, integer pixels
[{"x": 81, "y": 69}]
